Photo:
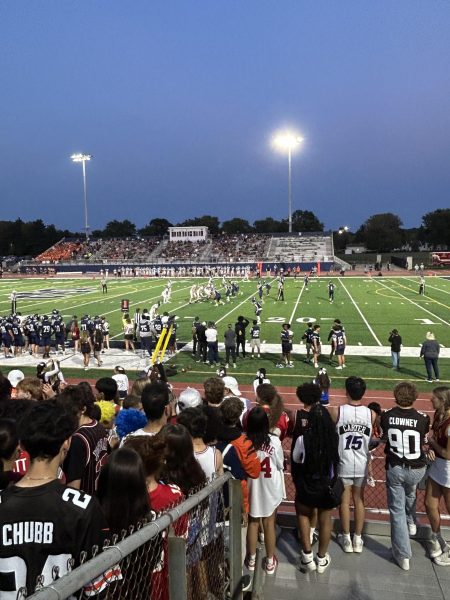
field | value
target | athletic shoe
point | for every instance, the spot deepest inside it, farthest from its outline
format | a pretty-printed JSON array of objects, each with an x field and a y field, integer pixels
[
  {"x": 429, "y": 381},
  {"x": 340, "y": 367},
  {"x": 343, "y": 366},
  {"x": 234, "y": 365},
  {"x": 323, "y": 563},
  {"x": 279, "y": 366},
  {"x": 345, "y": 542},
  {"x": 289, "y": 366},
  {"x": 434, "y": 547},
  {"x": 358, "y": 544},
  {"x": 316, "y": 365},
  {"x": 270, "y": 567},
  {"x": 371, "y": 481},
  {"x": 307, "y": 562},
  {"x": 227, "y": 366},
  {"x": 246, "y": 583},
  {"x": 443, "y": 560},
  {"x": 250, "y": 562},
  {"x": 412, "y": 529},
  {"x": 403, "y": 563}
]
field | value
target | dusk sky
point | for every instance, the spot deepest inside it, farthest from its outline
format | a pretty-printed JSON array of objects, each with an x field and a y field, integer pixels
[{"x": 178, "y": 101}]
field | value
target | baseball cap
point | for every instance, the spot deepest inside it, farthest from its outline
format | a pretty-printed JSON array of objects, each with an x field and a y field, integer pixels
[
  {"x": 189, "y": 398},
  {"x": 232, "y": 384},
  {"x": 15, "y": 376}
]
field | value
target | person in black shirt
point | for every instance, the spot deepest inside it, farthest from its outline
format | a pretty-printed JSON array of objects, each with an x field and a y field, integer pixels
[
  {"x": 395, "y": 339},
  {"x": 404, "y": 431},
  {"x": 240, "y": 327},
  {"x": 44, "y": 524}
]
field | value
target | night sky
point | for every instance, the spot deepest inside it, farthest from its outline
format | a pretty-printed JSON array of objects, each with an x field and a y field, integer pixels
[{"x": 178, "y": 101}]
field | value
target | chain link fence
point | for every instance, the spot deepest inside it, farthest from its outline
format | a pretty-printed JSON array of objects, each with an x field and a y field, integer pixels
[
  {"x": 375, "y": 498},
  {"x": 192, "y": 551}
]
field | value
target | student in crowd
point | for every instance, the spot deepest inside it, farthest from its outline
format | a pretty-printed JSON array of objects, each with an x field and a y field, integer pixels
[
  {"x": 89, "y": 446},
  {"x": 266, "y": 492},
  {"x": 404, "y": 431},
  {"x": 438, "y": 483},
  {"x": 354, "y": 425},
  {"x": 209, "y": 457},
  {"x": 322, "y": 379},
  {"x": 157, "y": 408},
  {"x": 270, "y": 400},
  {"x": 316, "y": 452},
  {"x": 71, "y": 522}
]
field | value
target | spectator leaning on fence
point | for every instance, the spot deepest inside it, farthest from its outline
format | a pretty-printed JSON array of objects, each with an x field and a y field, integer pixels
[{"x": 57, "y": 523}]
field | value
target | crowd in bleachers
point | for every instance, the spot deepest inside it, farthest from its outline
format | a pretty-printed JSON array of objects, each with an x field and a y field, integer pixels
[
  {"x": 218, "y": 248},
  {"x": 137, "y": 448},
  {"x": 182, "y": 251}
]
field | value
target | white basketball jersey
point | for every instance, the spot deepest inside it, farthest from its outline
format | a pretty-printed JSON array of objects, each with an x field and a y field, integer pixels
[
  {"x": 208, "y": 461},
  {"x": 354, "y": 427}
]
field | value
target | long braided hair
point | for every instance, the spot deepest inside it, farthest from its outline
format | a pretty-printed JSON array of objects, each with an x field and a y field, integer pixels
[{"x": 321, "y": 444}]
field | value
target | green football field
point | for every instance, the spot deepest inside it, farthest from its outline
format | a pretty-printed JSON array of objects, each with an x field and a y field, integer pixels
[{"x": 368, "y": 308}]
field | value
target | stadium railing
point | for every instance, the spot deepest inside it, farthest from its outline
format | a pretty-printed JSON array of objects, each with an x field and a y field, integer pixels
[{"x": 193, "y": 551}]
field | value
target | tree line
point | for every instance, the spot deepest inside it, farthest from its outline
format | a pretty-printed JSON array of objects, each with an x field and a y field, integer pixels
[{"x": 379, "y": 233}]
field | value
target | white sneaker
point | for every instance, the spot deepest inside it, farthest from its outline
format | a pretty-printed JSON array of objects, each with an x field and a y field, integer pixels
[
  {"x": 358, "y": 544},
  {"x": 323, "y": 563},
  {"x": 403, "y": 563},
  {"x": 443, "y": 560},
  {"x": 340, "y": 367},
  {"x": 345, "y": 542},
  {"x": 434, "y": 548},
  {"x": 412, "y": 529},
  {"x": 307, "y": 562}
]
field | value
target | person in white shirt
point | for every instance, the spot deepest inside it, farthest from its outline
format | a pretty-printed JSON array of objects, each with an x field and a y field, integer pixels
[
  {"x": 121, "y": 378},
  {"x": 212, "y": 343}
]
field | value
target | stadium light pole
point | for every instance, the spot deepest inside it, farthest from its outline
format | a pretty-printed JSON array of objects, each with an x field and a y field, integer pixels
[
  {"x": 288, "y": 141},
  {"x": 82, "y": 158}
]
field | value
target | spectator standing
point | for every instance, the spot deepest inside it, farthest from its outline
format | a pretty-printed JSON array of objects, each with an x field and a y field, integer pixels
[
  {"x": 89, "y": 446},
  {"x": 121, "y": 378},
  {"x": 354, "y": 425},
  {"x": 404, "y": 431},
  {"x": 266, "y": 492},
  {"x": 212, "y": 343},
  {"x": 430, "y": 353},
  {"x": 316, "y": 453},
  {"x": 316, "y": 345},
  {"x": 438, "y": 482},
  {"x": 395, "y": 339},
  {"x": 71, "y": 521},
  {"x": 157, "y": 408},
  {"x": 230, "y": 346},
  {"x": 240, "y": 327}
]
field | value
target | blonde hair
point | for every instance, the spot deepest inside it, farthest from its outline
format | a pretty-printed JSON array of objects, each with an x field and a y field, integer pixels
[
  {"x": 430, "y": 335},
  {"x": 108, "y": 412}
]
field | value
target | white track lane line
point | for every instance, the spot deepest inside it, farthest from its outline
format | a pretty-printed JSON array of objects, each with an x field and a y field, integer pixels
[{"x": 360, "y": 313}]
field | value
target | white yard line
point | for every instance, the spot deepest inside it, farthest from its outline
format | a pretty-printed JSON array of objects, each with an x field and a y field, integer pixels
[
  {"x": 360, "y": 313},
  {"x": 296, "y": 304},
  {"x": 412, "y": 302},
  {"x": 428, "y": 286}
]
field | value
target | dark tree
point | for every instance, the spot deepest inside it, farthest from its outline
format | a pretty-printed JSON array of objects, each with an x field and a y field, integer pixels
[
  {"x": 237, "y": 225},
  {"x": 212, "y": 223},
  {"x": 305, "y": 220},
  {"x": 269, "y": 225},
  {"x": 119, "y": 229},
  {"x": 382, "y": 232},
  {"x": 156, "y": 227},
  {"x": 436, "y": 226}
]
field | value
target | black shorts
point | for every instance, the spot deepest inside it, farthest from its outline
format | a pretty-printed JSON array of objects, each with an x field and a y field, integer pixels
[{"x": 314, "y": 494}]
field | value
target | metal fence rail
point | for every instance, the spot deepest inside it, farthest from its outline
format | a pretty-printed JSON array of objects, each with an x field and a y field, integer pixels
[{"x": 138, "y": 557}]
